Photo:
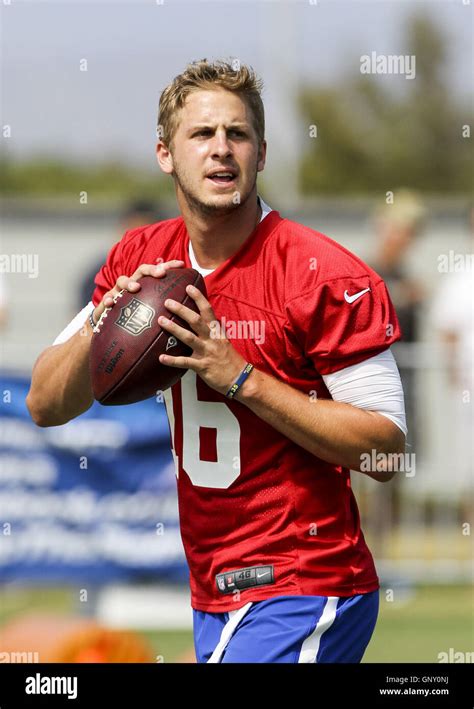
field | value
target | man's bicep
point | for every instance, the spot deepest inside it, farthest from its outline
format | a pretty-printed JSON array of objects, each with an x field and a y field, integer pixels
[{"x": 374, "y": 385}]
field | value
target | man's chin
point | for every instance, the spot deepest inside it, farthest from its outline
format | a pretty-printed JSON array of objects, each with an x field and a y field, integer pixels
[{"x": 219, "y": 204}]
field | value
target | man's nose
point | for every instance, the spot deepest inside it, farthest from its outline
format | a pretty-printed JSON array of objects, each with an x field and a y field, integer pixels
[{"x": 220, "y": 144}]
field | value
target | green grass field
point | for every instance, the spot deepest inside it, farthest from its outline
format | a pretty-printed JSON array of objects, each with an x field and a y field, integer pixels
[
  {"x": 432, "y": 620},
  {"x": 414, "y": 628}
]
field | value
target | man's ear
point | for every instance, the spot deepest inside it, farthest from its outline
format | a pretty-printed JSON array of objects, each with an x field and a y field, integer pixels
[
  {"x": 262, "y": 154},
  {"x": 164, "y": 157}
]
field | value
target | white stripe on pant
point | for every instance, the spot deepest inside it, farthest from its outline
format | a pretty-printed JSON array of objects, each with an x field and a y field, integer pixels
[
  {"x": 310, "y": 647},
  {"x": 227, "y": 631}
]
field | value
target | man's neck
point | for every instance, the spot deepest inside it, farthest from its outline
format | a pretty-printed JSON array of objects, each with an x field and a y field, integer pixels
[{"x": 215, "y": 239}]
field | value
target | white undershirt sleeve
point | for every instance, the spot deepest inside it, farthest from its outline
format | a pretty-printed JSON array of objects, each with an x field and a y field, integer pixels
[
  {"x": 75, "y": 325},
  {"x": 373, "y": 384}
]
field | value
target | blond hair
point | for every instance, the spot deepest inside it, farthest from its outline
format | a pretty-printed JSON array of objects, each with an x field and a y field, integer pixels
[
  {"x": 407, "y": 210},
  {"x": 204, "y": 75}
]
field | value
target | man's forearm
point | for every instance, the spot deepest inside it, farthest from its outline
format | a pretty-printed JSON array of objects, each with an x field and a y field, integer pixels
[
  {"x": 333, "y": 431},
  {"x": 60, "y": 385}
]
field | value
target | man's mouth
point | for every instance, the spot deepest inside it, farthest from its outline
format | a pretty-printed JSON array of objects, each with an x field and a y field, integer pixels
[{"x": 222, "y": 177}]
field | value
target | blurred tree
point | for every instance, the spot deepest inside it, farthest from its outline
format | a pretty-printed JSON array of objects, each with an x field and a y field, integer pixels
[
  {"x": 369, "y": 136},
  {"x": 45, "y": 175}
]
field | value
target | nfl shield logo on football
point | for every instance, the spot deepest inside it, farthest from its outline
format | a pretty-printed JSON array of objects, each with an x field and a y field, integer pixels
[{"x": 135, "y": 317}]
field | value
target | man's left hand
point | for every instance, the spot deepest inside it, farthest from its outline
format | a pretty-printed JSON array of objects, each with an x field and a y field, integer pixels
[{"x": 213, "y": 358}]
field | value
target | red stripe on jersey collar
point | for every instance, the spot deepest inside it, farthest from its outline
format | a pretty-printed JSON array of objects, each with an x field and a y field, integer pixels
[{"x": 245, "y": 255}]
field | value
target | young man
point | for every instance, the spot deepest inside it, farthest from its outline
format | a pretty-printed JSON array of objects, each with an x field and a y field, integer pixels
[{"x": 280, "y": 571}]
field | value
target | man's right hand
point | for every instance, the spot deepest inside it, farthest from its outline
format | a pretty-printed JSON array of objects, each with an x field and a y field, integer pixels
[{"x": 131, "y": 283}]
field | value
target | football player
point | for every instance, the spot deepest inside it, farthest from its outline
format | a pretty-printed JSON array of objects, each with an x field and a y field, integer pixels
[{"x": 290, "y": 385}]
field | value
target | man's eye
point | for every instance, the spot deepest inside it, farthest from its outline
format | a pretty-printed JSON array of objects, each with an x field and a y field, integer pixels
[{"x": 207, "y": 131}]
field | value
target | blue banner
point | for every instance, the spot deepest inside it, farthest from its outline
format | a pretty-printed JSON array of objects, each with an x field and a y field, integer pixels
[{"x": 92, "y": 500}]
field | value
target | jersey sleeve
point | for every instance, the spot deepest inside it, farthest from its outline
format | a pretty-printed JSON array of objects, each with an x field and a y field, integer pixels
[
  {"x": 343, "y": 321},
  {"x": 114, "y": 266}
]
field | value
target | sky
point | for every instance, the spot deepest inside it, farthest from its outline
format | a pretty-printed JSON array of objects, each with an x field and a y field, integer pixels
[{"x": 133, "y": 49}]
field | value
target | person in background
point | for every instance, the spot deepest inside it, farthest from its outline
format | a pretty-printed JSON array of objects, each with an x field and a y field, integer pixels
[
  {"x": 452, "y": 317},
  {"x": 136, "y": 213},
  {"x": 396, "y": 227}
]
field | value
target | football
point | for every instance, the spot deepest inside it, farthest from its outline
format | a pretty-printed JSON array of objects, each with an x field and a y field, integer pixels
[{"x": 128, "y": 340}]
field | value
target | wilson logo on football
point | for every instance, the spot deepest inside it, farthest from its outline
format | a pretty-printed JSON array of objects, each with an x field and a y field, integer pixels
[
  {"x": 172, "y": 342},
  {"x": 135, "y": 317}
]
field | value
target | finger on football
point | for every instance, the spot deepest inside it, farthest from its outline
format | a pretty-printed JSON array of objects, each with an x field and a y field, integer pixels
[
  {"x": 131, "y": 283},
  {"x": 201, "y": 301},
  {"x": 189, "y": 338},
  {"x": 126, "y": 283},
  {"x": 180, "y": 362},
  {"x": 161, "y": 268},
  {"x": 153, "y": 269}
]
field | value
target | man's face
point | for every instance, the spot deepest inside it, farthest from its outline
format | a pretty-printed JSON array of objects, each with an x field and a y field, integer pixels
[{"x": 215, "y": 135}]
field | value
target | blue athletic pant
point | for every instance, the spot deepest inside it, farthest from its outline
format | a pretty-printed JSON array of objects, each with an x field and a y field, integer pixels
[{"x": 288, "y": 629}]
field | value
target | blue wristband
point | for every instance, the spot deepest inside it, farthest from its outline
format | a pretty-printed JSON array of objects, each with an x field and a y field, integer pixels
[{"x": 241, "y": 379}]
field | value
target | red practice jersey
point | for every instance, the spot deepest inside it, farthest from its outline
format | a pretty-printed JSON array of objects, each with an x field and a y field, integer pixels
[{"x": 260, "y": 516}]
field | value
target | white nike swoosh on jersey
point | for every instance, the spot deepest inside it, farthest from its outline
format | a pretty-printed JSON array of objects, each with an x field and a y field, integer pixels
[
  {"x": 351, "y": 298},
  {"x": 259, "y": 576}
]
